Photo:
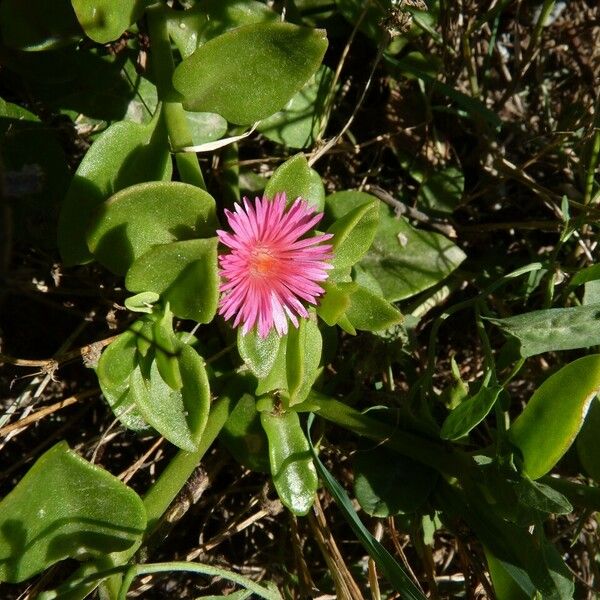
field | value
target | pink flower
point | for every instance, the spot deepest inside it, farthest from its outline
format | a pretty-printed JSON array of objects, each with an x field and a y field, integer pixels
[{"x": 270, "y": 269}]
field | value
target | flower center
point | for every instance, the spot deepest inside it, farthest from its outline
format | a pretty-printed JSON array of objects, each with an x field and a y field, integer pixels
[{"x": 262, "y": 261}]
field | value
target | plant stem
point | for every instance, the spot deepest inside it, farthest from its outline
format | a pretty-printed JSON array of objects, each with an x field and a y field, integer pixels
[
  {"x": 179, "y": 470},
  {"x": 200, "y": 569},
  {"x": 174, "y": 114}
]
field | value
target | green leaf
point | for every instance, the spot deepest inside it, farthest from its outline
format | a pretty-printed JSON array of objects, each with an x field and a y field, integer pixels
[
  {"x": 244, "y": 436},
  {"x": 442, "y": 190},
  {"x": 33, "y": 25},
  {"x": 264, "y": 63},
  {"x": 354, "y": 231},
  {"x": 141, "y": 302},
  {"x": 142, "y": 216},
  {"x": 292, "y": 468},
  {"x": 205, "y": 127},
  {"x": 554, "y": 329},
  {"x": 469, "y": 413},
  {"x": 64, "y": 507},
  {"x": 125, "y": 154},
  {"x": 554, "y": 415},
  {"x": 258, "y": 353},
  {"x": 335, "y": 302},
  {"x": 531, "y": 561},
  {"x": 117, "y": 363},
  {"x": 297, "y": 180},
  {"x": 303, "y": 355},
  {"x": 386, "y": 483},
  {"x": 211, "y": 18},
  {"x": 505, "y": 586},
  {"x": 184, "y": 273},
  {"x": 180, "y": 416},
  {"x": 166, "y": 350},
  {"x": 391, "y": 570},
  {"x": 276, "y": 379},
  {"x": 298, "y": 125},
  {"x": 105, "y": 20},
  {"x": 370, "y": 312},
  {"x": 588, "y": 441},
  {"x": 542, "y": 497},
  {"x": 405, "y": 260},
  {"x": 591, "y": 273}
]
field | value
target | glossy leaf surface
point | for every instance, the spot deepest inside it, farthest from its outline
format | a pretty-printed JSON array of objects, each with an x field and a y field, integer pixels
[
  {"x": 65, "y": 507},
  {"x": 258, "y": 353},
  {"x": 117, "y": 363},
  {"x": 292, "y": 468},
  {"x": 184, "y": 274},
  {"x": 298, "y": 125},
  {"x": 265, "y": 64},
  {"x": 179, "y": 415},
  {"x": 210, "y": 18},
  {"x": 297, "y": 180},
  {"x": 554, "y": 415},
  {"x": 105, "y": 20},
  {"x": 125, "y": 154},
  {"x": 403, "y": 260},
  {"x": 139, "y": 217},
  {"x": 370, "y": 312},
  {"x": 354, "y": 231}
]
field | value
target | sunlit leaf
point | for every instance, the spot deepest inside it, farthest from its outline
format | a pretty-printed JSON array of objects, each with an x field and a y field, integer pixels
[
  {"x": 265, "y": 64},
  {"x": 297, "y": 180},
  {"x": 554, "y": 415},
  {"x": 125, "y": 154},
  {"x": 292, "y": 468},
  {"x": 184, "y": 274},
  {"x": 65, "y": 507},
  {"x": 141, "y": 216}
]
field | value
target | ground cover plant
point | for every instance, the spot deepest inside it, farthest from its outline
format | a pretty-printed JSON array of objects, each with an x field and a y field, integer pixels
[{"x": 299, "y": 299}]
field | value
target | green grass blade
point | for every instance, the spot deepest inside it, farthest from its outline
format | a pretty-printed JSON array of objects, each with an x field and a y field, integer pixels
[{"x": 392, "y": 571}]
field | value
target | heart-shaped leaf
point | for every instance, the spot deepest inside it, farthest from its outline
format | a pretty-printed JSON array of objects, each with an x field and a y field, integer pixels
[
  {"x": 208, "y": 19},
  {"x": 258, "y": 353},
  {"x": 123, "y": 155},
  {"x": 264, "y": 63},
  {"x": 117, "y": 363},
  {"x": 297, "y": 180},
  {"x": 65, "y": 507},
  {"x": 179, "y": 415},
  {"x": 298, "y": 125},
  {"x": 184, "y": 273},
  {"x": 370, "y": 312},
  {"x": 142, "y": 216},
  {"x": 105, "y": 20}
]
